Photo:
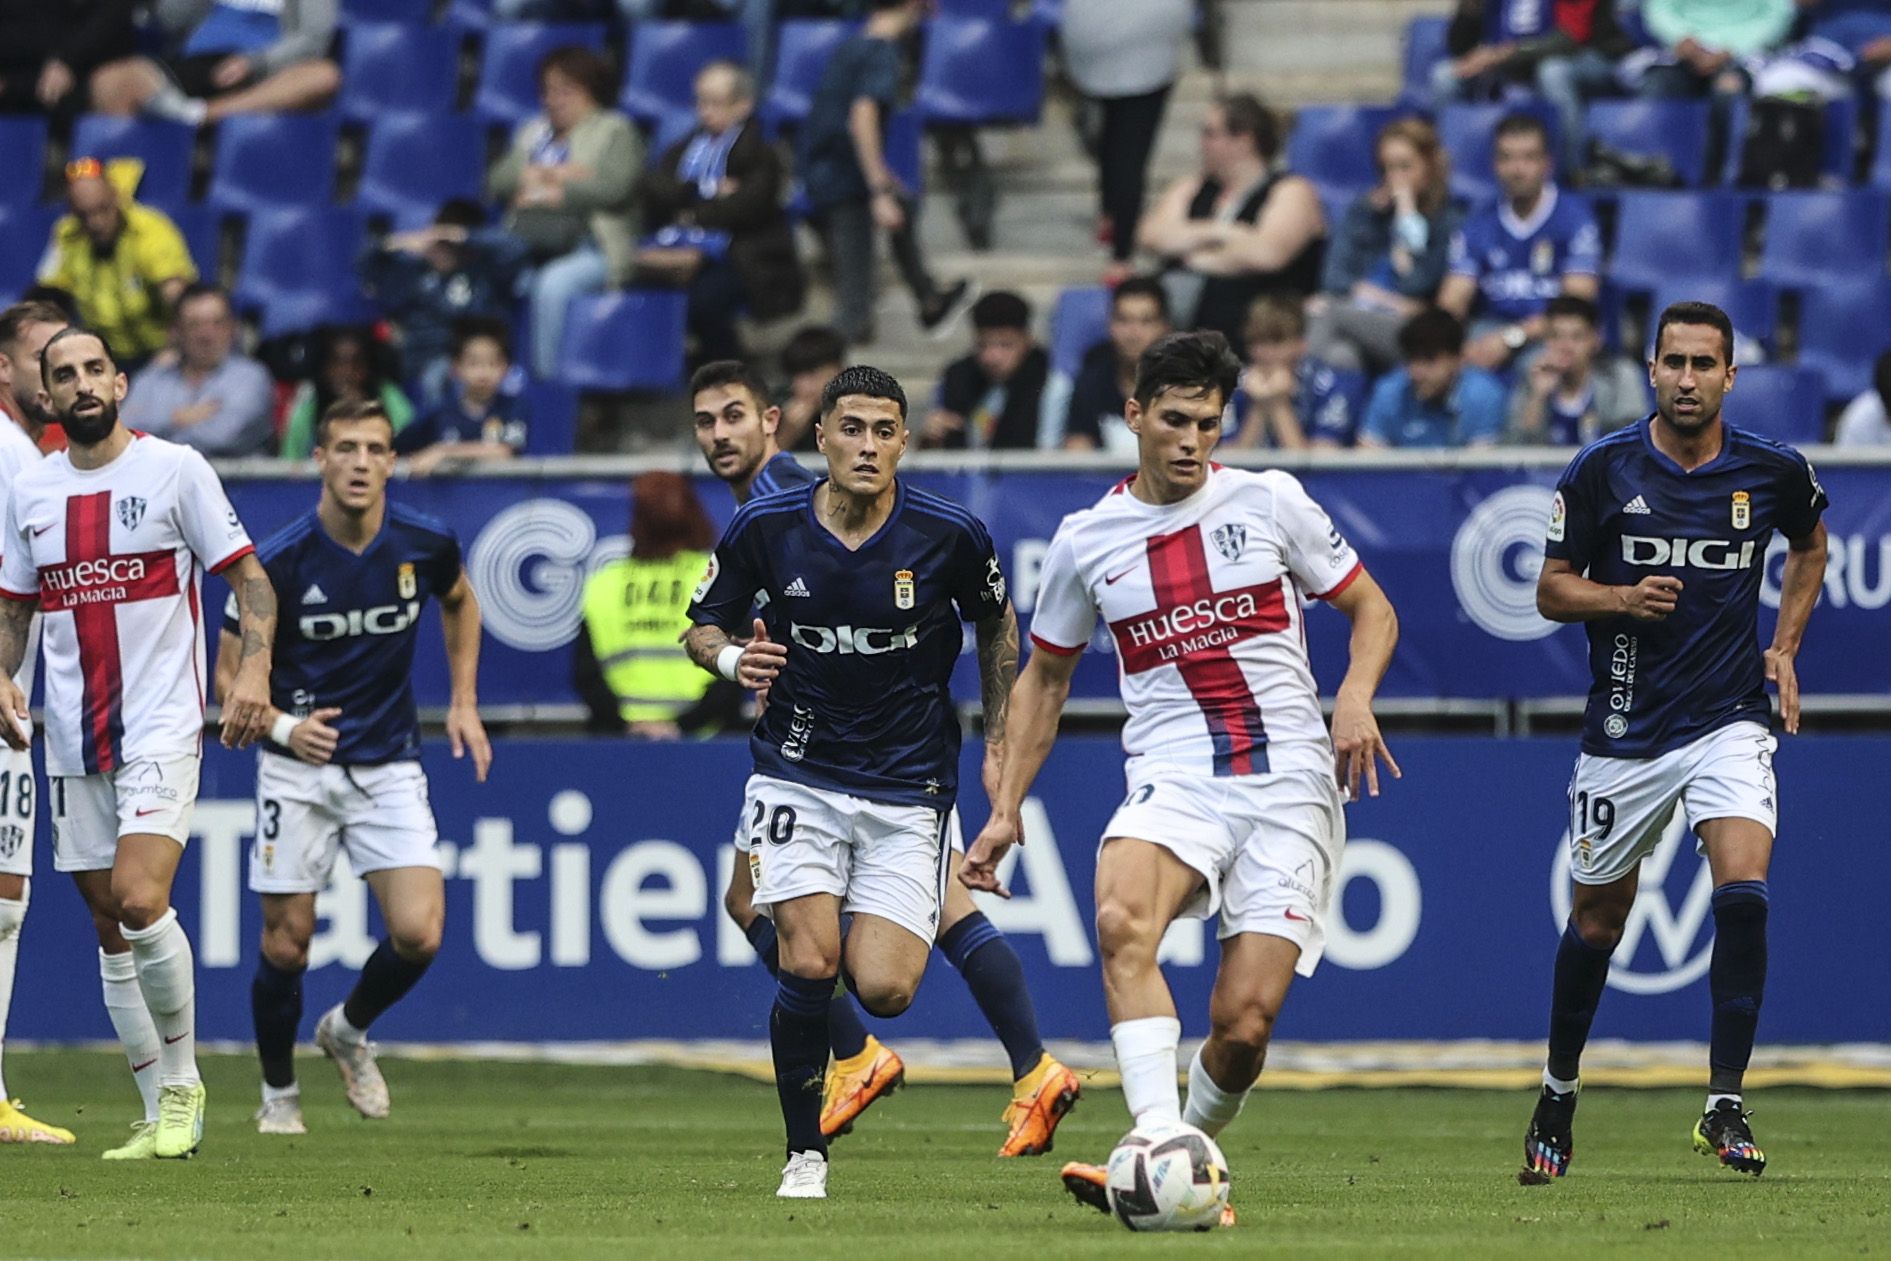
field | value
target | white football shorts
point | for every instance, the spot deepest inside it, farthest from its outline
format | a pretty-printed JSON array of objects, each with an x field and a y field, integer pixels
[
  {"x": 955, "y": 834},
  {"x": 17, "y": 801},
  {"x": 879, "y": 859},
  {"x": 306, "y": 814},
  {"x": 1267, "y": 846},
  {"x": 147, "y": 797},
  {"x": 1618, "y": 806}
]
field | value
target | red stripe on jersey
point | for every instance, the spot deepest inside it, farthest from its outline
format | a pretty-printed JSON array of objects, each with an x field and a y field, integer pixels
[
  {"x": 232, "y": 558},
  {"x": 89, "y": 544},
  {"x": 1352, "y": 575},
  {"x": 1056, "y": 650},
  {"x": 14, "y": 595}
]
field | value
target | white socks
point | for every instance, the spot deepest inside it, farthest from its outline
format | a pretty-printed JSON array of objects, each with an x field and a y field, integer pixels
[
  {"x": 1558, "y": 1085},
  {"x": 1145, "y": 1055},
  {"x": 1713, "y": 1101},
  {"x": 272, "y": 1093},
  {"x": 12, "y": 917},
  {"x": 1210, "y": 1108},
  {"x": 167, "y": 977},
  {"x": 124, "y": 1003},
  {"x": 342, "y": 1029}
]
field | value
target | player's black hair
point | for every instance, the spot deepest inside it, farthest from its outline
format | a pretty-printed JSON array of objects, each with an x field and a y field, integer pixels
[
  {"x": 1521, "y": 123},
  {"x": 729, "y": 372},
  {"x": 73, "y": 330},
  {"x": 460, "y": 212},
  {"x": 346, "y": 410},
  {"x": 586, "y": 67},
  {"x": 55, "y": 297},
  {"x": 865, "y": 381},
  {"x": 881, "y": 6},
  {"x": 1700, "y": 313},
  {"x": 1431, "y": 333},
  {"x": 1572, "y": 305},
  {"x": 470, "y": 328},
  {"x": 815, "y": 346},
  {"x": 14, "y": 319},
  {"x": 1142, "y": 287},
  {"x": 1001, "y": 309},
  {"x": 1196, "y": 364},
  {"x": 1244, "y": 114}
]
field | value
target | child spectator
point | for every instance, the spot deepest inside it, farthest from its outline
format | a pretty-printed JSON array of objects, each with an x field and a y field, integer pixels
[
  {"x": 478, "y": 420},
  {"x": 992, "y": 398}
]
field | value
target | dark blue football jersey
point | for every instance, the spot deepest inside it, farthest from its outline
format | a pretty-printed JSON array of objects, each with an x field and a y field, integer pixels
[
  {"x": 346, "y": 625},
  {"x": 863, "y": 705},
  {"x": 782, "y": 472},
  {"x": 1624, "y": 511}
]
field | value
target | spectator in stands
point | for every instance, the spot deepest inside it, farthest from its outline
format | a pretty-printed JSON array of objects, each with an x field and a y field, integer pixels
[
  {"x": 1125, "y": 57},
  {"x": 1702, "y": 43},
  {"x": 1436, "y": 399},
  {"x": 1574, "y": 391},
  {"x": 479, "y": 419},
  {"x": 852, "y": 191},
  {"x": 629, "y": 665},
  {"x": 1239, "y": 229},
  {"x": 1866, "y": 420},
  {"x": 1510, "y": 259},
  {"x": 1086, "y": 413},
  {"x": 350, "y": 367},
  {"x": 125, "y": 263},
  {"x": 1861, "y": 27},
  {"x": 715, "y": 200},
  {"x": 205, "y": 394},
  {"x": 232, "y": 57},
  {"x": 426, "y": 280},
  {"x": 1286, "y": 398},
  {"x": 1390, "y": 255},
  {"x": 992, "y": 399},
  {"x": 25, "y": 328},
  {"x": 49, "y": 50},
  {"x": 814, "y": 356},
  {"x": 569, "y": 183}
]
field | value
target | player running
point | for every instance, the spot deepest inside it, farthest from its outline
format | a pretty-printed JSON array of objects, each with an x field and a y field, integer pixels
[
  {"x": 1201, "y": 574},
  {"x": 1657, "y": 540},
  {"x": 735, "y": 427},
  {"x": 18, "y": 801},
  {"x": 341, "y": 769},
  {"x": 109, "y": 538},
  {"x": 856, "y": 752}
]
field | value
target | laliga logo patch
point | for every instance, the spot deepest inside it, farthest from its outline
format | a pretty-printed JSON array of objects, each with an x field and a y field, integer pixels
[
  {"x": 904, "y": 592},
  {"x": 408, "y": 586},
  {"x": 1742, "y": 510},
  {"x": 130, "y": 511},
  {"x": 1495, "y": 560},
  {"x": 709, "y": 580}
]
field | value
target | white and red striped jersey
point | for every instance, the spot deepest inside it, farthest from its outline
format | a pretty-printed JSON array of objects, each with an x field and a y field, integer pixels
[
  {"x": 1204, "y": 599},
  {"x": 17, "y": 454},
  {"x": 115, "y": 557}
]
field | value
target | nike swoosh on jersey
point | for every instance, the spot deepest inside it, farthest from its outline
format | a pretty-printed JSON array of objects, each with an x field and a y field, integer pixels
[
  {"x": 42, "y": 529},
  {"x": 1113, "y": 579},
  {"x": 1297, "y": 917}
]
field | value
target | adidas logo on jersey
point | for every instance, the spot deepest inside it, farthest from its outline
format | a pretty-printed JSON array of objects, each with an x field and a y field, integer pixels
[
  {"x": 798, "y": 587},
  {"x": 315, "y": 594},
  {"x": 1638, "y": 506}
]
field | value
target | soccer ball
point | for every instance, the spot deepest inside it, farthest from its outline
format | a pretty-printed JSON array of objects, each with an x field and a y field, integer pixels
[{"x": 1167, "y": 1176}]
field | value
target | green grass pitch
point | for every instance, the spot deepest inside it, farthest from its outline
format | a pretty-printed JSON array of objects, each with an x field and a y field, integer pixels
[{"x": 540, "y": 1161}]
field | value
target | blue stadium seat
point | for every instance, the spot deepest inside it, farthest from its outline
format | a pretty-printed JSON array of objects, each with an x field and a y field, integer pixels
[
  {"x": 1812, "y": 237},
  {"x": 1467, "y": 132},
  {"x": 270, "y": 161},
  {"x": 298, "y": 268},
  {"x": 904, "y": 157},
  {"x": 1842, "y": 331},
  {"x": 977, "y": 73},
  {"x": 1782, "y": 401},
  {"x": 624, "y": 341},
  {"x": 802, "y": 47},
  {"x": 1880, "y": 174},
  {"x": 393, "y": 66},
  {"x": 23, "y": 153},
  {"x": 554, "y": 428},
  {"x": 1335, "y": 146},
  {"x": 469, "y": 15},
  {"x": 25, "y": 229},
  {"x": 668, "y": 130},
  {"x": 664, "y": 59},
  {"x": 354, "y": 12},
  {"x": 202, "y": 230},
  {"x": 1752, "y": 305},
  {"x": 1838, "y": 148},
  {"x": 986, "y": 10},
  {"x": 1079, "y": 321},
  {"x": 165, "y": 148},
  {"x": 1675, "y": 130},
  {"x": 1662, "y": 235},
  {"x": 414, "y": 162},
  {"x": 1424, "y": 48},
  {"x": 508, "y": 73}
]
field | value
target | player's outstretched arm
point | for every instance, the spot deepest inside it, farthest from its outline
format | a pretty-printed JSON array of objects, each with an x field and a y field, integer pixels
[
  {"x": 1563, "y": 595},
  {"x": 1358, "y": 746},
  {"x": 246, "y": 710},
  {"x": 754, "y": 665},
  {"x": 997, "y": 675},
  {"x": 1799, "y": 585},
  {"x": 16, "y": 718},
  {"x": 459, "y": 621},
  {"x": 1037, "y": 702}
]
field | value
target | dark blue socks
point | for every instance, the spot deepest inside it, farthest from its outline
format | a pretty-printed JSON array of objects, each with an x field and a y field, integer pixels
[
  {"x": 384, "y": 981},
  {"x": 797, "y": 1030},
  {"x": 761, "y": 935},
  {"x": 1581, "y": 972},
  {"x": 276, "y": 1007},
  {"x": 845, "y": 1034},
  {"x": 1737, "y": 980},
  {"x": 996, "y": 978}
]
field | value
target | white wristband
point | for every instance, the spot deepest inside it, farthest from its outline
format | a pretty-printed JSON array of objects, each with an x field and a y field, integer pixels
[
  {"x": 283, "y": 728},
  {"x": 726, "y": 661}
]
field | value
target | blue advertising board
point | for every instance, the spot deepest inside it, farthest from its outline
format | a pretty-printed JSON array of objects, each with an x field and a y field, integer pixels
[
  {"x": 1456, "y": 547},
  {"x": 585, "y": 879}
]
